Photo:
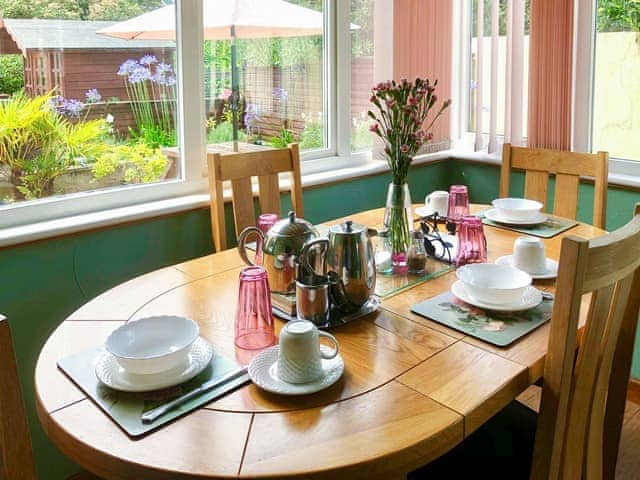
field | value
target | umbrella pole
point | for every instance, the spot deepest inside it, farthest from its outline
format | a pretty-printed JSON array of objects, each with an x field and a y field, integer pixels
[{"x": 235, "y": 90}]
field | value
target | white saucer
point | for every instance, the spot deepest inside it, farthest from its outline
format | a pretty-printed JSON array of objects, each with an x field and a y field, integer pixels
[
  {"x": 492, "y": 214},
  {"x": 531, "y": 297},
  {"x": 551, "y": 268},
  {"x": 109, "y": 371},
  {"x": 263, "y": 372}
]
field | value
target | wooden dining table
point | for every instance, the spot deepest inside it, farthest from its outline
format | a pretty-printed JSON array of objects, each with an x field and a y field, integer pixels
[{"x": 412, "y": 388}]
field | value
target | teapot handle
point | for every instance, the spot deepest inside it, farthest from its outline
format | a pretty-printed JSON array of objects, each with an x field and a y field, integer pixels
[
  {"x": 304, "y": 257},
  {"x": 242, "y": 239}
]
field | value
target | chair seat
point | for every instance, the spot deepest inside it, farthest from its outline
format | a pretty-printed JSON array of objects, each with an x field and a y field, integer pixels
[{"x": 501, "y": 449}]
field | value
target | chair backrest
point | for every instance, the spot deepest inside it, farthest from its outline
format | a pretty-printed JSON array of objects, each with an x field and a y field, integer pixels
[
  {"x": 583, "y": 395},
  {"x": 239, "y": 168},
  {"x": 16, "y": 457},
  {"x": 567, "y": 168}
]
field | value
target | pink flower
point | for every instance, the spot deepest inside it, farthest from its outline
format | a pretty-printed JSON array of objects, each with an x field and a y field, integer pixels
[
  {"x": 374, "y": 128},
  {"x": 404, "y": 148}
]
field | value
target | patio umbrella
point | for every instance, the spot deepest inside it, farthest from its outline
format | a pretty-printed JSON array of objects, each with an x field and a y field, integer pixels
[{"x": 227, "y": 20}]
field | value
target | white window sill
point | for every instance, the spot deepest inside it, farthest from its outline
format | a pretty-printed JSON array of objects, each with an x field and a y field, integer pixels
[{"x": 138, "y": 212}]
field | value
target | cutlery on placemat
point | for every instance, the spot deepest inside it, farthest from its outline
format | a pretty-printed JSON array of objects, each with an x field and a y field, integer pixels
[{"x": 152, "y": 415}]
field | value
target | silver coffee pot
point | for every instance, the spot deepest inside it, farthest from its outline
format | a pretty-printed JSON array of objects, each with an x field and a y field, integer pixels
[{"x": 350, "y": 263}]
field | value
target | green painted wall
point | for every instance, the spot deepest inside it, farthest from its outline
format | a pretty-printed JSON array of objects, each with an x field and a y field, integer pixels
[{"x": 45, "y": 281}]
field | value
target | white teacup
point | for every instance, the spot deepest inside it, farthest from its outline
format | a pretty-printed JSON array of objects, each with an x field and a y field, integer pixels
[
  {"x": 437, "y": 201},
  {"x": 299, "y": 355},
  {"x": 529, "y": 255}
]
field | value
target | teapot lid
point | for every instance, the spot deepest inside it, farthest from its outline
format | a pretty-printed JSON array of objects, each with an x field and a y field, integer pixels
[
  {"x": 348, "y": 228},
  {"x": 292, "y": 227}
]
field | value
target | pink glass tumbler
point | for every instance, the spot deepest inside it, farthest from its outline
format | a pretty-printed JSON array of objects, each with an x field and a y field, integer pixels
[
  {"x": 265, "y": 222},
  {"x": 458, "y": 203},
  {"x": 254, "y": 324},
  {"x": 472, "y": 244}
]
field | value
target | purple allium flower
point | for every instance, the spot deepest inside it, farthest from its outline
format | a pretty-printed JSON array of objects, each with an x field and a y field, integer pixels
[
  {"x": 127, "y": 67},
  {"x": 139, "y": 74},
  {"x": 280, "y": 94},
  {"x": 163, "y": 68},
  {"x": 251, "y": 113},
  {"x": 93, "y": 95},
  {"x": 57, "y": 103},
  {"x": 148, "y": 60},
  {"x": 73, "y": 107},
  {"x": 170, "y": 81}
]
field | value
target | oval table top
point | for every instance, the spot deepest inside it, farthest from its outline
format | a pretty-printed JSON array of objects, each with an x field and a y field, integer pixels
[{"x": 412, "y": 388}]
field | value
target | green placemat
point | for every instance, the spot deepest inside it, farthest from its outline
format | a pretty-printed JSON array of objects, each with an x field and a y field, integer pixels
[
  {"x": 552, "y": 227},
  {"x": 390, "y": 284},
  {"x": 125, "y": 408},
  {"x": 498, "y": 328}
]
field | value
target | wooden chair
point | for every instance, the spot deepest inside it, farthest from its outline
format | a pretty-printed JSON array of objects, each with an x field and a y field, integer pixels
[
  {"x": 567, "y": 168},
  {"x": 16, "y": 456},
  {"x": 577, "y": 432},
  {"x": 239, "y": 168},
  {"x": 583, "y": 396},
  {"x": 16, "y": 459}
]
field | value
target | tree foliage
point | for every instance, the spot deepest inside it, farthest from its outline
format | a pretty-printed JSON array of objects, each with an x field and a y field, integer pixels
[
  {"x": 11, "y": 79},
  {"x": 618, "y": 15},
  {"x": 77, "y": 9}
]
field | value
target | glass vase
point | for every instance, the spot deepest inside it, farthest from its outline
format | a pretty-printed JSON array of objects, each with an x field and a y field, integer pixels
[{"x": 397, "y": 220}]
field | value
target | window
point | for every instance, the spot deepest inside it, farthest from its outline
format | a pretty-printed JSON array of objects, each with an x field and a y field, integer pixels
[
  {"x": 98, "y": 112},
  {"x": 616, "y": 96},
  {"x": 279, "y": 71},
  {"x": 292, "y": 86},
  {"x": 605, "y": 95},
  {"x": 495, "y": 96}
]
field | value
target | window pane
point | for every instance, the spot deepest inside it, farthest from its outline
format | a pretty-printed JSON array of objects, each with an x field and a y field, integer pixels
[
  {"x": 280, "y": 75},
  {"x": 617, "y": 68},
  {"x": 96, "y": 111},
  {"x": 486, "y": 80},
  {"x": 363, "y": 56}
]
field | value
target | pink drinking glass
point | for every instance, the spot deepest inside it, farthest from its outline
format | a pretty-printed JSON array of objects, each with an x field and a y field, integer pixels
[
  {"x": 472, "y": 244},
  {"x": 458, "y": 203},
  {"x": 265, "y": 222},
  {"x": 254, "y": 323}
]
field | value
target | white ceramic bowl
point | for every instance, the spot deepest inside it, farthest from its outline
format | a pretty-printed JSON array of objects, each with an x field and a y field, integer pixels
[
  {"x": 491, "y": 283},
  {"x": 520, "y": 209},
  {"x": 152, "y": 344}
]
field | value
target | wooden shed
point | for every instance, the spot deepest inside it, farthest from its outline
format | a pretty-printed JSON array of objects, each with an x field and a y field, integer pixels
[{"x": 69, "y": 56}]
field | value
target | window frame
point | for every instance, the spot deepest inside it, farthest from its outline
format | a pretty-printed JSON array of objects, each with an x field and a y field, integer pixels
[
  {"x": 585, "y": 31},
  {"x": 191, "y": 134}
]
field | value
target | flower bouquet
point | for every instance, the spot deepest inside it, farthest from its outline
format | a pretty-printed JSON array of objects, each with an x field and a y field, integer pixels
[{"x": 401, "y": 112}]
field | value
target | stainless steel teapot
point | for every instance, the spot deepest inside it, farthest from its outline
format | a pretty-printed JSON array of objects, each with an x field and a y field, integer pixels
[
  {"x": 351, "y": 264},
  {"x": 281, "y": 247}
]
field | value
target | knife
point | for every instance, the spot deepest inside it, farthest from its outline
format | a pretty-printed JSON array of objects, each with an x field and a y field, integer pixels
[{"x": 151, "y": 415}]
